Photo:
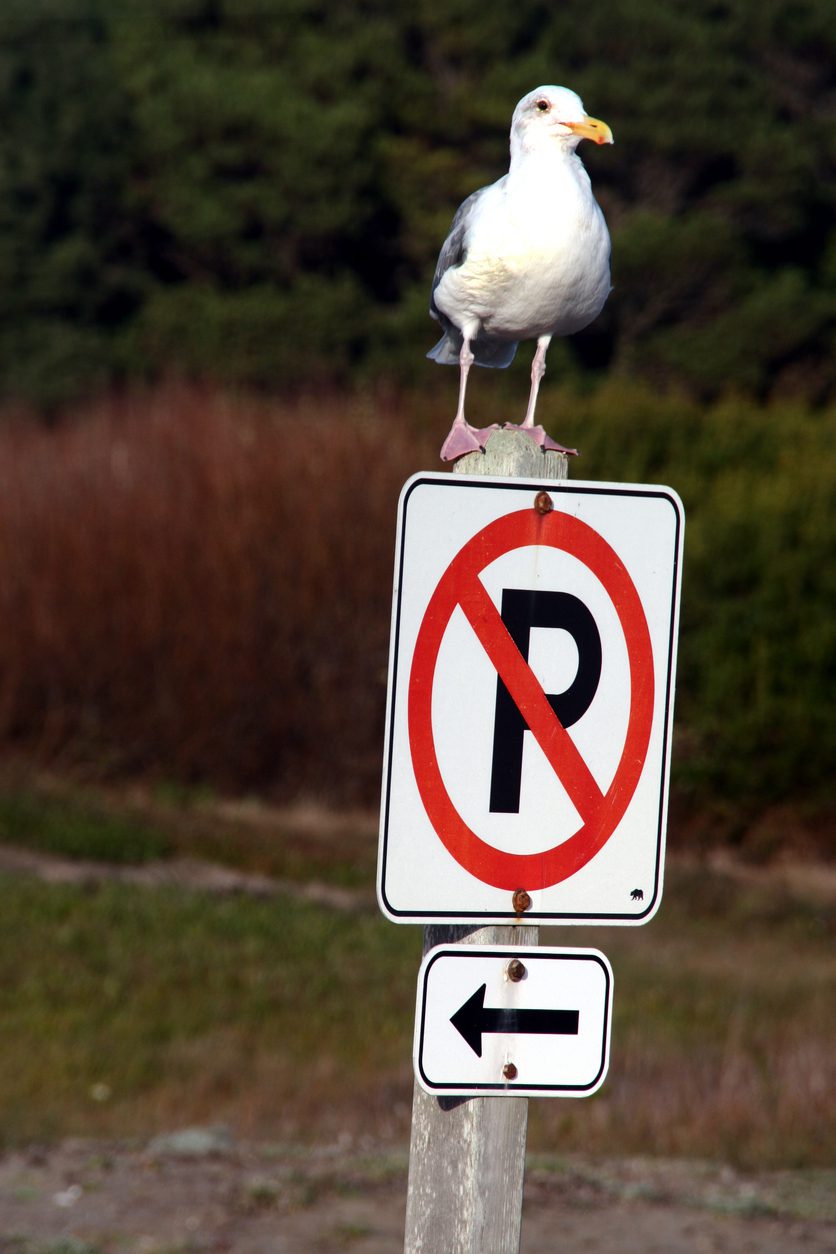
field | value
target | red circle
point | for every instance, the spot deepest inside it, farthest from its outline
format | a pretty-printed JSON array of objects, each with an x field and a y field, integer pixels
[{"x": 488, "y": 864}]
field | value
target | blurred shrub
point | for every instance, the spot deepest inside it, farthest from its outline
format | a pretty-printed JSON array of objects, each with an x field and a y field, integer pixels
[
  {"x": 757, "y": 654},
  {"x": 200, "y": 589},
  {"x": 201, "y": 593}
]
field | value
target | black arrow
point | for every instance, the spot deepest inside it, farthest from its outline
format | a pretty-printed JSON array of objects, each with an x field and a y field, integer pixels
[{"x": 473, "y": 1019}]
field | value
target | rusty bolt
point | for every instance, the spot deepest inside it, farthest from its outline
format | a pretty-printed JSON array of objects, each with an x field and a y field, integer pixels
[
  {"x": 521, "y": 901},
  {"x": 509, "y": 1071},
  {"x": 543, "y": 503},
  {"x": 515, "y": 971}
]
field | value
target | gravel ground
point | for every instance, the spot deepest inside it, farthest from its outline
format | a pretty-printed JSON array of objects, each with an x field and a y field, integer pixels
[{"x": 199, "y": 1191}]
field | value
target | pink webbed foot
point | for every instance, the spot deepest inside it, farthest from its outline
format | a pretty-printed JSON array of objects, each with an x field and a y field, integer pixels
[
  {"x": 483, "y": 434},
  {"x": 540, "y": 436},
  {"x": 464, "y": 439}
]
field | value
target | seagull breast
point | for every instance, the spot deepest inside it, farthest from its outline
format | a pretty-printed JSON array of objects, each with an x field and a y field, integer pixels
[{"x": 536, "y": 256}]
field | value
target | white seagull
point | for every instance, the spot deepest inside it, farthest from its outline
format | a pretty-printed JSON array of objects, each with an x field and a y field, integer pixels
[{"x": 526, "y": 258}]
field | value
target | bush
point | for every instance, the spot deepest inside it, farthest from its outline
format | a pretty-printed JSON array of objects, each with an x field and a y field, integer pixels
[
  {"x": 202, "y": 592},
  {"x": 758, "y": 642},
  {"x": 200, "y": 588}
]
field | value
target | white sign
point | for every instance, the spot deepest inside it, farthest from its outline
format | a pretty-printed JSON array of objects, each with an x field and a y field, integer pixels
[
  {"x": 513, "y": 1022},
  {"x": 530, "y": 702}
]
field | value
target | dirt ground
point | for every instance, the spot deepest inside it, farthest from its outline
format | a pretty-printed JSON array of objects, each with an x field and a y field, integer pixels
[{"x": 198, "y": 1192}]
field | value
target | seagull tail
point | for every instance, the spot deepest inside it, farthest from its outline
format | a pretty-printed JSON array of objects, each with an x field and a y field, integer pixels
[
  {"x": 445, "y": 351},
  {"x": 486, "y": 351}
]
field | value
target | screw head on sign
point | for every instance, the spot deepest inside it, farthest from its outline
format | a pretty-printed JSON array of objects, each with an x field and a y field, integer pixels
[
  {"x": 521, "y": 901},
  {"x": 543, "y": 503},
  {"x": 516, "y": 971},
  {"x": 509, "y": 1071}
]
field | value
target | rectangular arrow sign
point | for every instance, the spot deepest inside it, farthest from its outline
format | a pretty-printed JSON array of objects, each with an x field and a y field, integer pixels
[{"x": 513, "y": 1022}]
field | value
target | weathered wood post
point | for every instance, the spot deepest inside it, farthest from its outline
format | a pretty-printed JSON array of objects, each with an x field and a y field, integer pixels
[{"x": 467, "y": 1155}]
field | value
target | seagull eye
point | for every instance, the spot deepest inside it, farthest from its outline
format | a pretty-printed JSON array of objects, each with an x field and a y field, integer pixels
[{"x": 543, "y": 106}]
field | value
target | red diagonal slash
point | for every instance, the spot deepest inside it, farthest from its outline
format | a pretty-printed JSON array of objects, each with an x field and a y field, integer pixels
[{"x": 530, "y": 698}]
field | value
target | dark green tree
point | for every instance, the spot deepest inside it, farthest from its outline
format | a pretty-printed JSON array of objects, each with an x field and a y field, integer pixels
[{"x": 257, "y": 190}]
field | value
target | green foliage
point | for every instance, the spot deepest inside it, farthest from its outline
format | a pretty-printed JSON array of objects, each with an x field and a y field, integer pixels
[
  {"x": 758, "y": 639},
  {"x": 257, "y": 191},
  {"x": 761, "y": 640},
  {"x": 68, "y": 267}
]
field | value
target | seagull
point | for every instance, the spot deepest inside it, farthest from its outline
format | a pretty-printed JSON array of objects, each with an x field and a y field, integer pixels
[{"x": 526, "y": 258}]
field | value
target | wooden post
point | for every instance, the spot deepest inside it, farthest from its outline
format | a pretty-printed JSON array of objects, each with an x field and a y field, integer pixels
[{"x": 467, "y": 1155}]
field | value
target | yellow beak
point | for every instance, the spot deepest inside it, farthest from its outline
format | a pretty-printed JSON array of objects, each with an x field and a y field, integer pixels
[{"x": 591, "y": 128}]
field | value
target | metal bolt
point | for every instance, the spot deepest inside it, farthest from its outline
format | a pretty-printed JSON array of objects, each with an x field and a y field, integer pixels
[
  {"x": 509, "y": 1071},
  {"x": 521, "y": 901},
  {"x": 515, "y": 971},
  {"x": 543, "y": 503}
]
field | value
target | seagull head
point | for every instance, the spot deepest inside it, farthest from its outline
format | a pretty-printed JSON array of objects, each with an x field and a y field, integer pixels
[{"x": 554, "y": 115}]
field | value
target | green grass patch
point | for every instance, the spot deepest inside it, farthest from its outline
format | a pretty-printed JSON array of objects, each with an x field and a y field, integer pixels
[
  {"x": 129, "y": 1009},
  {"x": 60, "y": 818},
  {"x": 129, "y": 1012},
  {"x": 61, "y": 1245},
  {"x": 71, "y": 828},
  {"x": 279, "y": 843}
]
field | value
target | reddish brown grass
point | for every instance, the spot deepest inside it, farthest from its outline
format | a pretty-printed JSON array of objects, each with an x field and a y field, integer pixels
[{"x": 200, "y": 589}]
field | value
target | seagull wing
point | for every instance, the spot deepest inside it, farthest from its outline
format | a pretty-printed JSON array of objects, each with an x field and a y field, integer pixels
[
  {"x": 454, "y": 249},
  {"x": 487, "y": 350}
]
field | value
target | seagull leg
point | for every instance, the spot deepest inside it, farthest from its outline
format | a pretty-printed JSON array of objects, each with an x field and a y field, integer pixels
[
  {"x": 537, "y": 433},
  {"x": 538, "y": 369},
  {"x": 462, "y": 438}
]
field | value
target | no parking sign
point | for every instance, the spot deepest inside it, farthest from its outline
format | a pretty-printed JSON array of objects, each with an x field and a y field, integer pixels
[{"x": 530, "y": 700}]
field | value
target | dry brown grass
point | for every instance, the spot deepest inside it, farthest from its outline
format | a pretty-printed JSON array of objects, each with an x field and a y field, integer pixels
[{"x": 186, "y": 592}]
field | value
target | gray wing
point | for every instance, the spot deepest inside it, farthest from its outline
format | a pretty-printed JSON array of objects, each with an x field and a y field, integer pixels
[
  {"x": 454, "y": 249},
  {"x": 487, "y": 350}
]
